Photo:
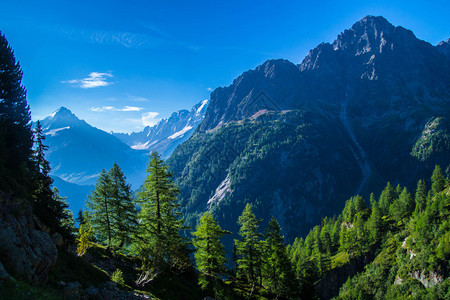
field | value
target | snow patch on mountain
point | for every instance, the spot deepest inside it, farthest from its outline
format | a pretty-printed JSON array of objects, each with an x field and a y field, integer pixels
[
  {"x": 180, "y": 133},
  {"x": 53, "y": 132},
  {"x": 203, "y": 103},
  {"x": 165, "y": 136}
]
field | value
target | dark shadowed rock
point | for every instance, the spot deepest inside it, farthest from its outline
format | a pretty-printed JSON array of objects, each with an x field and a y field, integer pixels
[
  {"x": 298, "y": 140},
  {"x": 24, "y": 251}
]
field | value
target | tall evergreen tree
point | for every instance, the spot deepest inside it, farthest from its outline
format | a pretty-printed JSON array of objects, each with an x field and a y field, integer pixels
[
  {"x": 113, "y": 215},
  {"x": 100, "y": 205},
  {"x": 80, "y": 217},
  {"x": 438, "y": 180},
  {"x": 249, "y": 249},
  {"x": 421, "y": 196},
  {"x": 123, "y": 212},
  {"x": 386, "y": 198},
  {"x": 50, "y": 209},
  {"x": 277, "y": 269},
  {"x": 403, "y": 206},
  {"x": 160, "y": 218},
  {"x": 209, "y": 252},
  {"x": 16, "y": 136},
  {"x": 374, "y": 223}
]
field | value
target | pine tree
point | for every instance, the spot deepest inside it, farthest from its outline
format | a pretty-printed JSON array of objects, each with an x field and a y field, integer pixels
[
  {"x": 80, "y": 217},
  {"x": 248, "y": 246},
  {"x": 374, "y": 223},
  {"x": 359, "y": 203},
  {"x": 100, "y": 205},
  {"x": 421, "y": 196},
  {"x": 113, "y": 215},
  {"x": 16, "y": 136},
  {"x": 209, "y": 252},
  {"x": 50, "y": 209},
  {"x": 277, "y": 269},
  {"x": 386, "y": 198},
  {"x": 123, "y": 212},
  {"x": 160, "y": 218},
  {"x": 66, "y": 222},
  {"x": 403, "y": 206},
  {"x": 438, "y": 181}
]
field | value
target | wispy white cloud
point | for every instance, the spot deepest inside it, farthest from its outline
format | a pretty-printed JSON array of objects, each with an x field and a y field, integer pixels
[
  {"x": 210, "y": 89},
  {"x": 149, "y": 118},
  {"x": 112, "y": 108},
  {"x": 137, "y": 98},
  {"x": 95, "y": 79}
]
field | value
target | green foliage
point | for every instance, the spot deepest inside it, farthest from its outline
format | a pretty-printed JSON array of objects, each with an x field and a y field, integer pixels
[
  {"x": 250, "y": 153},
  {"x": 50, "y": 209},
  {"x": 124, "y": 215},
  {"x": 249, "y": 247},
  {"x": 117, "y": 277},
  {"x": 415, "y": 247},
  {"x": 386, "y": 198},
  {"x": 277, "y": 269},
  {"x": 421, "y": 195},
  {"x": 84, "y": 239},
  {"x": 438, "y": 180},
  {"x": 402, "y": 207},
  {"x": 408, "y": 235},
  {"x": 435, "y": 140},
  {"x": 161, "y": 222},
  {"x": 66, "y": 222},
  {"x": 111, "y": 209},
  {"x": 209, "y": 252},
  {"x": 16, "y": 137}
]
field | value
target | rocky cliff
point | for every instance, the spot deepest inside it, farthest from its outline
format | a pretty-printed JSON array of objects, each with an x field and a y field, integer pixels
[
  {"x": 298, "y": 140},
  {"x": 25, "y": 252}
]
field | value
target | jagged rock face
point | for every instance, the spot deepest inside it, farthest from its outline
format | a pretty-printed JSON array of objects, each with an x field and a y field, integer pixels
[
  {"x": 392, "y": 82},
  {"x": 165, "y": 136},
  {"x": 375, "y": 88},
  {"x": 24, "y": 251},
  {"x": 272, "y": 86}
]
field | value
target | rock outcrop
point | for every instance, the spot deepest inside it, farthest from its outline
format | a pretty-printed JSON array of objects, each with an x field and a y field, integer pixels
[
  {"x": 25, "y": 252},
  {"x": 366, "y": 99}
]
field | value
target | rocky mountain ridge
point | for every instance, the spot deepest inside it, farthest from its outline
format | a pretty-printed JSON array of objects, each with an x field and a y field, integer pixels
[
  {"x": 375, "y": 88},
  {"x": 165, "y": 136}
]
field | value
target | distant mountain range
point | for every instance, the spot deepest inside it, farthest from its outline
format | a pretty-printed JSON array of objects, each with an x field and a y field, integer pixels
[
  {"x": 296, "y": 141},
  {"x": 78, "y": 151},
  {"x": 165, "y": 136}
]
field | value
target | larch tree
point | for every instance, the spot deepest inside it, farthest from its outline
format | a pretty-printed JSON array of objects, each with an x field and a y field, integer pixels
[
  {"x": 374, "y": 224},
  {"x": 209, "y": 251},
  {"x": 421, "y": 196},
  {"x": 112, "y": 212},
  {"x": 277, "y": 269},
  {"x": 248, "y": 246},
  {"x": 100, "y": 209},
  {"x": 438, "y": 180},
  {"x": 386, "y": 198},
  {"x": 123, "y": 212},
  {"x": 160, "y": 218}
]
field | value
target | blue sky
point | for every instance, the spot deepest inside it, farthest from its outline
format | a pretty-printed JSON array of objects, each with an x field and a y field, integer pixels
[{"x": 121, "y": 65}]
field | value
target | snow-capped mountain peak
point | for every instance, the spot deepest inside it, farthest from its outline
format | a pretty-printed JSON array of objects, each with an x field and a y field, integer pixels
[{"x": 165, "y": 136}]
